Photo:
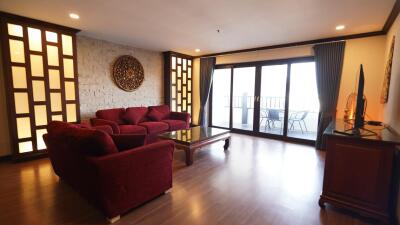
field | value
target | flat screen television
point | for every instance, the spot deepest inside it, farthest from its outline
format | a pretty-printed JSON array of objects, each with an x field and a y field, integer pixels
[
  {"x": 357, "y": 128},
  {"x": 359, "y": 116}
]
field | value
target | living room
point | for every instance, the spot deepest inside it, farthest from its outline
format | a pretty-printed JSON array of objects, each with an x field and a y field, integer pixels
[{"x": 199, "y": 112}]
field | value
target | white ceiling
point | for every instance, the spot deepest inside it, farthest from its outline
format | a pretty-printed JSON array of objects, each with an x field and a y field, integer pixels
[{"x": 183, "y": 25}]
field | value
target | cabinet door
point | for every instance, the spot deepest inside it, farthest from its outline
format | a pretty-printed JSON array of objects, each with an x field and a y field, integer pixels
[{"x": 359, "y": 172}]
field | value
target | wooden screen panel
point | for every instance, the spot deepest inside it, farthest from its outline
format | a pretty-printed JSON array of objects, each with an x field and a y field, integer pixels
[
  {"x": 37, "y": 90},
  {"x": 181, "y": 83}
]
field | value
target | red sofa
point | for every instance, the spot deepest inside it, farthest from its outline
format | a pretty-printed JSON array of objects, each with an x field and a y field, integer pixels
[
  {"x": 115, "y": 172},
  {"x": 151, "y": 120}
]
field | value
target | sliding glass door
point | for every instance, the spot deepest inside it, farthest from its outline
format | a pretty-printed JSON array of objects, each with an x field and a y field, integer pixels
[
  {"x": 272, "y": 98},
  {"x": 221, "y": 98},
  {"x": 243, "y": 98},
  {"x": 303, "y": 102}
]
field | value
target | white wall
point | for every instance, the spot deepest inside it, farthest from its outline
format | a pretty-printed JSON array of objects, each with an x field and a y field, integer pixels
[{"x": 97, "y": 89}]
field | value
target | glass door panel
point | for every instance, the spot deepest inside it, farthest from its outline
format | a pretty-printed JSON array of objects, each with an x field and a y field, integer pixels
[
  {"x": 272, "y": 99},
  {"x": 303, "y": 102},
  {"x": 243, "y": 98},
  {"x": 221, "y": 95}
]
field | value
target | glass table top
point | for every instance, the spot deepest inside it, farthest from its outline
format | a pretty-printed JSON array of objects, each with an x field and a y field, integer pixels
[
  {"x": 379, "y": 133},
  {"x": 193, "y": 134}
]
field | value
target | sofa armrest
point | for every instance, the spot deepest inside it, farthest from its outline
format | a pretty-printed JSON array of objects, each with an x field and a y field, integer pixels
[
  {"x": 127, "y": 179},
  {"x": 181, "y": 116},
  {"x": 128, "y": 141},
  {"x": 101, "y": 122}
]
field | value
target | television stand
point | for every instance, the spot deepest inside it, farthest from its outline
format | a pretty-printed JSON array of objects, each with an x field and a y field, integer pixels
[{"x": 360, "y": 171}]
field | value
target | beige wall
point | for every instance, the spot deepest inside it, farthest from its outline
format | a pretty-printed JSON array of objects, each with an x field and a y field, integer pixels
[
  {"x": 369, "y": 52},
  {"x": 97, "y": 89},
  {"x": 391, "y": 110},
  {"x": 5, "y": 146},
  {"x": 281, "y": 53},
  {"x": 196, "y": 91},
  {"x": 392, "y": 107}
]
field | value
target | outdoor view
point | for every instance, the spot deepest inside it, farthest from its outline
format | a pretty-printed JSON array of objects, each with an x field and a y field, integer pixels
[
  {"x": 272, "y": 98},
  {"x": 243, "y": 98},
  {"x": 303, "y": 101},
  {"x": 221, "y": 93}
]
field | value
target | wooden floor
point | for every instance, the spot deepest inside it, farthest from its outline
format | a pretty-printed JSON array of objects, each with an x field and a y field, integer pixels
[{"x": 258, "y": 181}]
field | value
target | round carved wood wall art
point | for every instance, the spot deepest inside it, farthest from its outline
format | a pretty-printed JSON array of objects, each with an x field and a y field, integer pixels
[{"x": 128, "y": 73}]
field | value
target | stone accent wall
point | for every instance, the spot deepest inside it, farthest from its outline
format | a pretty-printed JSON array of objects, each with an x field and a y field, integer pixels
[{"x": 97, "y": 89}]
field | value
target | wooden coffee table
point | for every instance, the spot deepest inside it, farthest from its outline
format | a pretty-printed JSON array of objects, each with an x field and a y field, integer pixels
[{"x": 194, "y": 138}]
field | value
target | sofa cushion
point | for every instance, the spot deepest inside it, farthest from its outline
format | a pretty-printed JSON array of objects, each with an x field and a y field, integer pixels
[
  {"x": 56, "y": 128},
  {"x": 163, "y": 109},
  {"x": 132, "y": 129},
  {"x": 96, "y": 143},
  {"x": 84, "y": 140},
  {"x": 104, "y": 128},
  {"x": 155, "y": 127},
  {"x": 155, "y": 115},
  {"x": 115, "y": 115},
  {"x": 175, "y": 124},
  {"x": 135, "y": 115}
]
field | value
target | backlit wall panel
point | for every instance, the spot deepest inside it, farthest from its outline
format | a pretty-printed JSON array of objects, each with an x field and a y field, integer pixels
[
  {"x": 41, "y": 80},
  {"x": 179, "y": 81}
]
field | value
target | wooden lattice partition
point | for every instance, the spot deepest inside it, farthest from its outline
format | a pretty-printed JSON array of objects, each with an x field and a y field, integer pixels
[
  {"x": 40, "y": 73},
  {"x": 178, "y": 74}
]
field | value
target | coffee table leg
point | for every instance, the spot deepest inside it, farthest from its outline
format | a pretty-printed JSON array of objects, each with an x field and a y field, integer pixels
[
  {"x": 227, "y": 142},
  {"x": 189, "y": 156}
]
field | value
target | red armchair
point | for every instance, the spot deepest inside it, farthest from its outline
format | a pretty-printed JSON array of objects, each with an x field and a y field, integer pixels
[
  {"x": 114, "y": 172},
  {"x": 141, "y": 120}
]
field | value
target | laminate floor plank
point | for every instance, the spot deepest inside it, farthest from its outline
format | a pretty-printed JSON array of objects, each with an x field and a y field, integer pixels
[{"x": 257, "y": 181}]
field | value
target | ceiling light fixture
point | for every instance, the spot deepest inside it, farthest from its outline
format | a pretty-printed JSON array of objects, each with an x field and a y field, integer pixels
[
  {"x": 74, "y": 16},
  {"x": 197, "y": 50},
  {"x": 340, "y": 27}
]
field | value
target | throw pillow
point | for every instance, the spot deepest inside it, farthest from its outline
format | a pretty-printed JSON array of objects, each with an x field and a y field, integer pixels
[{"x": 155, "y": 115}]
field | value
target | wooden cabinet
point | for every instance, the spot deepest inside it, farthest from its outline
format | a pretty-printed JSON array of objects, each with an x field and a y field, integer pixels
[{"x": 360, "y": 173}]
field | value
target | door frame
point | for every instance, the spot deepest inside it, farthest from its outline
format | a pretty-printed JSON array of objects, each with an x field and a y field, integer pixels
[{"x": 257, "y": 91}]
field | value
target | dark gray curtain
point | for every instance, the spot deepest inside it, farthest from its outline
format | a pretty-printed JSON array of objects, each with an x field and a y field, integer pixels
[
  {"x": 329, "y": 63},
  {"x": 206, "y": 77}
]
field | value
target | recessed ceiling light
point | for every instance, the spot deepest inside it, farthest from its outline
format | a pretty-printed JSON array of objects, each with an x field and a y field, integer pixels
[
  {"x": 74, "y": 16},
  {"x": 340, "y": 27},
  {"x": 197, "y": 50}
]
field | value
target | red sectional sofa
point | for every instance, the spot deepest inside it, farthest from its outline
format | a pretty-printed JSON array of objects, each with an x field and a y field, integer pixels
[
  {"x": 115, "y": 172},
  {"x": 152, "y": 120}
]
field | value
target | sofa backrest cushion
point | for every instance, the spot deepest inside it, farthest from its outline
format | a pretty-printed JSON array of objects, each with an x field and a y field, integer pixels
[
  {"x": 115, "y": 115},
  {"x": 135, "y": 115},
  {"x": 84, "y": 140},
  {"x": 93, "y": 142},
  {"x": 163, "y": 109},
  {"x": 155, "y": 115}
]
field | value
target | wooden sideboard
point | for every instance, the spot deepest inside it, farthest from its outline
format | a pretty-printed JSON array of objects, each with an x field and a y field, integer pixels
[{"x": 360, "y": 172}]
